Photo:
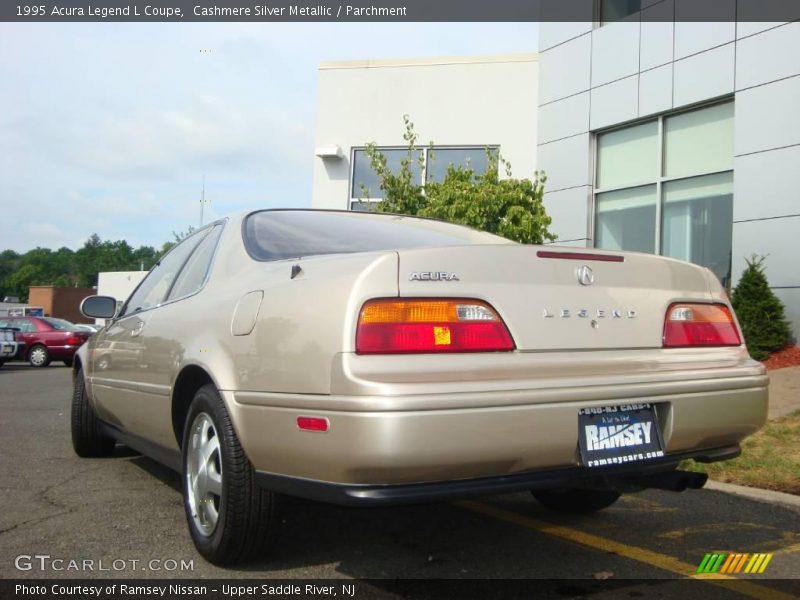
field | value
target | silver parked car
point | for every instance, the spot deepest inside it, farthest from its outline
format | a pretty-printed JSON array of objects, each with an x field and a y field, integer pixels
[{"x": 372, "y": 359}]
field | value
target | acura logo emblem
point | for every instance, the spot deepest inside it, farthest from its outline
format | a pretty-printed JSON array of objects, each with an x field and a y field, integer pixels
[{"x": 585, "y": 275}]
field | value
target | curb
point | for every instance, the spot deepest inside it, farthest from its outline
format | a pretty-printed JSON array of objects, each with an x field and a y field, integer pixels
[{"x": 757, "y": 494}]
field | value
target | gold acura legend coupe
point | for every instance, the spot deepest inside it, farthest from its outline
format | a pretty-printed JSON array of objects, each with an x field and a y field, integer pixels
[{"x": 372, "y": 359}]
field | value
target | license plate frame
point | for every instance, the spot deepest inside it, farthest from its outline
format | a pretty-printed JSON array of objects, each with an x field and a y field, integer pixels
[{"x": 618, "y": 434}]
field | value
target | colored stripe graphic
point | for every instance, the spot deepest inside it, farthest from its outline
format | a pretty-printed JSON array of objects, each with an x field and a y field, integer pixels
[
  {"x": 711, "y": 563},
  {"x": 739, "y": 563},
  {"x": 734, "y": 563}
]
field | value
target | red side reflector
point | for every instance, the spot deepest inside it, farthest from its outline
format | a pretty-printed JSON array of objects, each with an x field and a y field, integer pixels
[
  {"x": 688, "y": 325},
  {"x": 313, "y": 423},
  {"x": 580, "y": 256}
]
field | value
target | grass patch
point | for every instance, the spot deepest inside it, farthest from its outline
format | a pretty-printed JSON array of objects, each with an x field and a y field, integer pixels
[{"x": 770, "y": 459}]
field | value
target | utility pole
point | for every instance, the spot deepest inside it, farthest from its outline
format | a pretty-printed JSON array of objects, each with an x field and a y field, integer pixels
[
  {"x": 202, "y": 200},
  {"x": 203, "y": 192}
]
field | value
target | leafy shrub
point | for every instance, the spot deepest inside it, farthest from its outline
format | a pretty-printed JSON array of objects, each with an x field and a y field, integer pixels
[{"x": 511, "y": 208}]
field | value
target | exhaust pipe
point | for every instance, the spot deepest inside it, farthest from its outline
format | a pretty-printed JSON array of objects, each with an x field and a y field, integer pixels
[{"x": 673, "y": 481}]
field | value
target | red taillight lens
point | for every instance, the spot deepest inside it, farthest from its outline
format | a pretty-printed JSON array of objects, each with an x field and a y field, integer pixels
[
  {"x": 75, "y": 340},
  {"x": 407, "y": 326},
  {"x": 700, "y": 325}
]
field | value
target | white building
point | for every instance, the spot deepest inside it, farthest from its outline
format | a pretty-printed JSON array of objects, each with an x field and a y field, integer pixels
[{"x": 463, "y": 105}]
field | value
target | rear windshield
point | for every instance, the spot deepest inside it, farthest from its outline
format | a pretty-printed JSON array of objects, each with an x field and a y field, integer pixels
[
  {"x": 59, "y": 324},
  {"x": 281, "y": 234}
]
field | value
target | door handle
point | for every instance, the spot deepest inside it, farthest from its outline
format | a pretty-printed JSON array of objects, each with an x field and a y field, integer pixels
[{"x": 138, "y": 329}]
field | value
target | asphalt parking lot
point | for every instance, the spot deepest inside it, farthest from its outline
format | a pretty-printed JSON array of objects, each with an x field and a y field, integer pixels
[{"x": 128, "y": 508}]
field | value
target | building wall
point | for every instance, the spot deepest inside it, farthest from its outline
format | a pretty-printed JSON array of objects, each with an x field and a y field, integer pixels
[
  {"x": 60, "y": 302},
  {"x": 595, "y": 78},
  {"x": 452, "y": 101}
]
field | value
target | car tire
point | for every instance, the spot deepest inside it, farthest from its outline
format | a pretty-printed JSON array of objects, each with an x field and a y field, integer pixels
[
  {"x": 87, "y": 440},
  {"x": 38, "y": 356},
  {"x": 576, "y": 501},
  {"x": 68, "y": 362},
  {"x": 2, "y": 362},
  {"x": 231, "y": 519}
]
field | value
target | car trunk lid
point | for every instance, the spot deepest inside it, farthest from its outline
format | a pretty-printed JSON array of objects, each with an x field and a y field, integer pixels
[{"x": 554, "y": 298}]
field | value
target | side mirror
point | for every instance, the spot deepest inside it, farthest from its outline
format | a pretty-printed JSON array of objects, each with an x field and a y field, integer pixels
[{"x": 99, "y": 307}]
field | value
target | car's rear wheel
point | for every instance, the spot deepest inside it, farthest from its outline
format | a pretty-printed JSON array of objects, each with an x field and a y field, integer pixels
[
  {"x": 68, "y": 362},
  {"x": 87, "y": 440},
  {"x": 231, "y": 519},
  {"x": 2, "y": 362},
  {"x": 576, "y": 501},
  {"x": 39, "y": 356}
]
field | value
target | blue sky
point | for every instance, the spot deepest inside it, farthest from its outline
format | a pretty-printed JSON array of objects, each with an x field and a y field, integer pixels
[{"x": 108, "y": 128}]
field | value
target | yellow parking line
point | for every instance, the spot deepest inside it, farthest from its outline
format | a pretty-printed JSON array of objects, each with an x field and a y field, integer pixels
[{"x": 656, "y": 559}]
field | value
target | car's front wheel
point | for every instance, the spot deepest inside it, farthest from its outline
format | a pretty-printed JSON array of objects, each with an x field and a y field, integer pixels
[
  {"x": 576, "y": 501},
  {"x": 231, "y": 519},
  {"x": 39, "y": 356}
]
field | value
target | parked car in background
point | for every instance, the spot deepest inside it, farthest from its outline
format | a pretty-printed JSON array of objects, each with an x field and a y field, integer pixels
[
  {"x": 46, "y": 339},
  {"x": 87, "y": 327},
  {"x": 372, "y": 359},
  {"x": 11, "y": 346}
]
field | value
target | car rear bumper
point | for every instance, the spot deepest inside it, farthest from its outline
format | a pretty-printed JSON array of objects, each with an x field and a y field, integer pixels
[
  {"x": 60, "y": 352},
  {"x": 622, "y": 476},
  {"x": 492, "y": 434}
]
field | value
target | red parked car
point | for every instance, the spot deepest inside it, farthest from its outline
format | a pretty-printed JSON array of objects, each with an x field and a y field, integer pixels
[{"x": 47, "y": 338}]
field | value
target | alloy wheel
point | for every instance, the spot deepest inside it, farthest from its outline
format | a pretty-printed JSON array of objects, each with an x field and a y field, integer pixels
[{"x": 204, "y": 474}]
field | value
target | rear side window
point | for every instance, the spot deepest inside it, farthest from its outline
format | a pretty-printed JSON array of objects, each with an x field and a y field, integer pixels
[
  {"x": 59, "y": 324},
  {"x": 153, "y": 290},
  {"x": 282, "y": 234},
  {"x": 194, "y": 273}
]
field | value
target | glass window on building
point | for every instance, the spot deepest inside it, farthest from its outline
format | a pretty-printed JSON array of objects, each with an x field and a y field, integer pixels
[
  {"x": 616, "y": 10},
  {"x": 666, "y": 187},
  {"x": 439, "y": 160},
  {"x": 365, "y": 187},
  {"x": 365, "y": 182}
]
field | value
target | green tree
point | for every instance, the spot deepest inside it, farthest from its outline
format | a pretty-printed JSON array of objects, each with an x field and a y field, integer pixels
[
  {"x": 760, "y": 311},
  {"x": 66, "y": 268},
  {"x": 98, "y": 255},
  {"x": 508, "y": 207},
  {"x": 18, "y": 282}
]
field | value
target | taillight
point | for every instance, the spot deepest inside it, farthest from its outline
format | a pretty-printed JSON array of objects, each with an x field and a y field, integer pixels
[
  {"x": 403, "y": 326},
  {"x": 75, "y": 340},
  {"x": 700, "y": 325}
]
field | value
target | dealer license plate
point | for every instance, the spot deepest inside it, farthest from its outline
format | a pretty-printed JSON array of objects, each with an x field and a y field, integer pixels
[{"x": 615, "y": 435}]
